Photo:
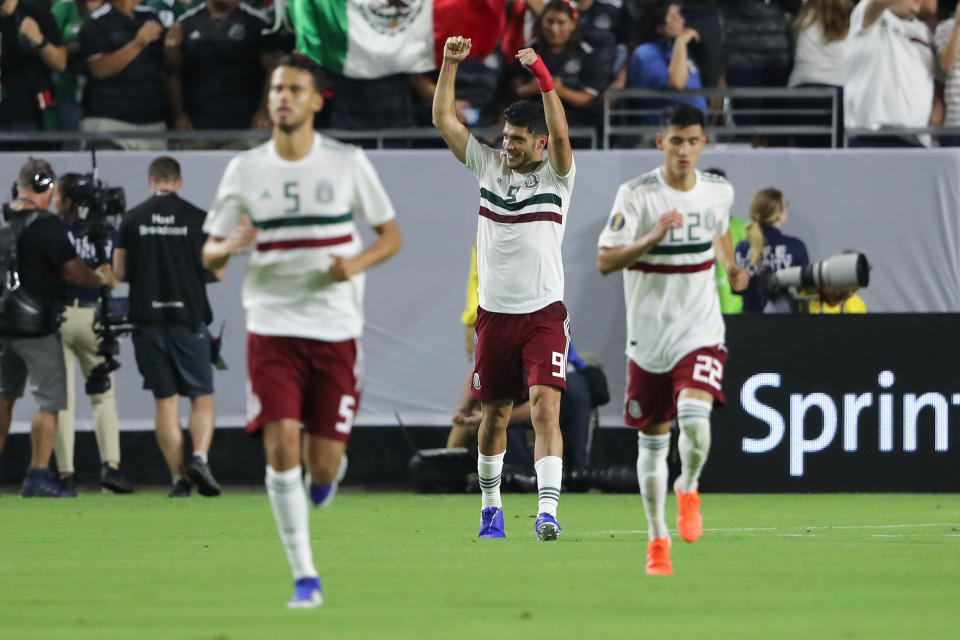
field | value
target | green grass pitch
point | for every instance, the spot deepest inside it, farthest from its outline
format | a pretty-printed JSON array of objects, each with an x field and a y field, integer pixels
[{"x": 397, "y": 566}]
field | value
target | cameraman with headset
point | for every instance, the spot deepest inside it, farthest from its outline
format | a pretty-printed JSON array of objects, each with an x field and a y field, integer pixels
[
  {"x": 159, "y": 254},
  {"x": 37, "y": 259},
  {"x": 80, "y": 342}
]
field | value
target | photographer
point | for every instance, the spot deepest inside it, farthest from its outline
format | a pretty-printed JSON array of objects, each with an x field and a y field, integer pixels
[
  {"x": 29, "y": 50},
  {"x": 80, "y": 342},
  {"x": 765, "y": 250},
  {"x": 159, "y": 254},
  {"x": 34, "y": 248}
]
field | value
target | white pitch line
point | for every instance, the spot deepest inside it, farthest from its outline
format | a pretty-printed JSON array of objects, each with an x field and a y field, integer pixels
[{"x": 809, "y": 527}]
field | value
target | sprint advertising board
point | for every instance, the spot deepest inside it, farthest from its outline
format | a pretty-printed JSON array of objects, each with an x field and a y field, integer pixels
[{"x": 839, "y": 403}]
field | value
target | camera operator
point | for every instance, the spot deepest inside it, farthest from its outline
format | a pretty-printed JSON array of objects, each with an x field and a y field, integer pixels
[
  {"x": 80, "y": 342},
  {"x": 160, "y": 255},
  {"x": 44, "y": 259},
  {"x": 30, "y": 47}
]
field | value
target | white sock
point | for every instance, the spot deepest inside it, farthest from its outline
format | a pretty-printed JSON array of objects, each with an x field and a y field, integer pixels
[
  {"x": 289, "y": 503},
  {"x": 201, "y": 455},
  {"x": 489, "y": 469},
  {"x": 694, "y": 443},
  {"x": 549, "y": 476},
  {"x": 652, "y": 453}
]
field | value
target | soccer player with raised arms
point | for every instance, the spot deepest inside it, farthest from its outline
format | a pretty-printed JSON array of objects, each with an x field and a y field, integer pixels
[
  {"x": 665, "y": 231},
  {"x": 293, "y": 203},
  {"x": 522, "y": 324}
]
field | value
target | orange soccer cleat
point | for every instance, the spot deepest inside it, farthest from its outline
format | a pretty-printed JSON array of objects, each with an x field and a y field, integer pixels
[
  {"x": 689, "y": 520},
  {"x": 658, "y": 557}
]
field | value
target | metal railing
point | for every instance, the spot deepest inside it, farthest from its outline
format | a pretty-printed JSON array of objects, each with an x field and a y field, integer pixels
[
  {"x": 769, "y": 112},
  {"x": 413, "y": 137}
]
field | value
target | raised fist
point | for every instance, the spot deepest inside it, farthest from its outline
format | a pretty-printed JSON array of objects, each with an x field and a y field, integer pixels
[{"x": 456, "y": 49}]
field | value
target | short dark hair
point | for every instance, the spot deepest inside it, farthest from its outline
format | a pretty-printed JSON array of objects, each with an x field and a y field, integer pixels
[
  {"x": 683, "y": 115},
  {"x": 35, "y": 173},
  {"x": 67, "y": 185},
  {"x": 304, "y": 63},
  {"x": 164, "y": 169},
  {"x": 529, "y": 114},
  {"x": 653, "y": 17}
]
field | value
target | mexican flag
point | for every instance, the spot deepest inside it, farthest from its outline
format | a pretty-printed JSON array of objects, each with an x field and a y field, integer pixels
[{"x": 369, "y": 39}]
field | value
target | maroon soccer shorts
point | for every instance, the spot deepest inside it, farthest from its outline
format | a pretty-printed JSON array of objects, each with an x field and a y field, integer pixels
[
  {"x": 510, "y": 345},
  {"x": 651, "y": 398},
  {"x": 315, "y": 382}
]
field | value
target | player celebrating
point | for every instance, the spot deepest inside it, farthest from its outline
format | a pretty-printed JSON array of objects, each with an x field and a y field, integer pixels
[
  {"x": 522, "y": 325},
  {"x": 293, "y": 201},
  {"x": 665, "y": 231}
]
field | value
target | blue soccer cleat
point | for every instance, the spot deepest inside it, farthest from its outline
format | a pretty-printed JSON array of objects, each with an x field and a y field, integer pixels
[
  {"x": 547, "y": 527},
  {"x": 321, "y": 495},
  {"x": 491, "y": 523},
  {"x": 307, "y": 594},
  {"x": 40, "y": 483}
]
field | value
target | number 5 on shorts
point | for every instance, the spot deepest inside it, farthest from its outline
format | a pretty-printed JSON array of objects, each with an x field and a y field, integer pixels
[
  {"x": 347, "y": 406},
  {"x": 708, "y": 370}
]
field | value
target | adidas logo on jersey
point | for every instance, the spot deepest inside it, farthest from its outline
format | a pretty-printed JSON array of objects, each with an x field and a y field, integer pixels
[{"x": 265, "y": 195}]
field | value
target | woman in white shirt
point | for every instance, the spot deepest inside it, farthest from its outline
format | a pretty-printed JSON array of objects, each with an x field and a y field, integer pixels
[{"x": 821, "y": 29}]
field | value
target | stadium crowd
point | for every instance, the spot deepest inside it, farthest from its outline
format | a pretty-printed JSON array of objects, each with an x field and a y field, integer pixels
[{"x": 121, "y": 65}]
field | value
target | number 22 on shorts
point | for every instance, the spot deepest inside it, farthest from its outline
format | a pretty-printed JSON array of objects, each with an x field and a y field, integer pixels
[{"x": 708, "y": 370}]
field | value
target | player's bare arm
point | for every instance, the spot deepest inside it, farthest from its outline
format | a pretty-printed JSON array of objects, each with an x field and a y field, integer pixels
[
  {"x": 723, "y": 250},
  {"x": 610, "y": 259},
  {"x": 217, "y": 251},
  {"x": 445, "y": 119},
  {"x": 389, "y": 241},
  {"x": 558, "y": 141}
]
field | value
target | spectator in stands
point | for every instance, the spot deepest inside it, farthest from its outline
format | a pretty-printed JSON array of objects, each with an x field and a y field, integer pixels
[
  {"x": 122, "y": 42},
  {"x": 758, "y": 51},
  {"x": 947, "y": 39},
  {"x": 661, "y": 62},
  {"x": 171, "y": 10},
  {"x": 68, "y": 84},
  {"x": 383, "y": 103},
  {"x": 217, "y": 56},
  {"x": 765, "y": 250},
  {"x": 578, "y": 72},
  {"x": 29, "y": 49},
  {"x": 821, "y": 30},
  {"x": 890, "y": 69}
]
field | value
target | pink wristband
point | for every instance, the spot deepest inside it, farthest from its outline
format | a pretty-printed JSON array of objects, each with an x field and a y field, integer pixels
[{"x": 542, "y": 74}]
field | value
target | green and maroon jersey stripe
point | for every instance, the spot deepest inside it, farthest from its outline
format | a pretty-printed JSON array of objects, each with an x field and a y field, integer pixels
[
  {"x": 306, "y": 243},
  {"x": 649, "y": 267},
  {"x": 302, "y": 221},
  {"x": 535, "y": 216}
]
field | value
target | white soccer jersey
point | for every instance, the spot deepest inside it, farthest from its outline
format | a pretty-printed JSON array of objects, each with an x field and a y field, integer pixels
[
  {"x": 305, "y": 213},
  {"x": 671, "y": 292},
  {"x": 519, "y": 233}
]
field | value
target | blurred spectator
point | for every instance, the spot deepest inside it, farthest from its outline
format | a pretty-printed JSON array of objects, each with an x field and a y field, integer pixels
[
  {"x": 68, "y": 84},
  {"x": 125, "y": 61},
  {"x": 889, "y": 72},
  {"x": 217, "y": 59},
  {"x": 29, "y": 49},
  {"x": 821, "y": 30},
  {"x": 384, "y": 103},
  {"x": 599, "y": 27},
  {"x": 661, "y": 62},
  {"x": 758, "y": 50},
  {"x": 765, "y": 250},
  {"x": 480, "y": 88},
  {"x": 170, "y": 11},
  {"x": 947, "y": 39},
  {"x": 578, "y": 72}
]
